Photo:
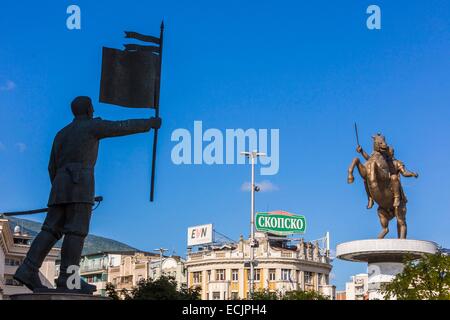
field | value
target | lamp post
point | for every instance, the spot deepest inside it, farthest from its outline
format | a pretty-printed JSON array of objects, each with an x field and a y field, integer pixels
[
  {"x": 161, "y": 253},
  {"x": 252, "y": 155}
]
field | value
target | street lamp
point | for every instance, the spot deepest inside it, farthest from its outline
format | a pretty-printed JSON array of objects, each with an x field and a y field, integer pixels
[
  {"x": 161, "y": 253},
  {"x": 252, "y": 155}
]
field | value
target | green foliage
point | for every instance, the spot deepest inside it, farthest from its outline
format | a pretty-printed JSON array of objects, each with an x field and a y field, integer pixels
[
  {"x": 304, "y": 295},
  {"x": 427, "y": 278},
  {"x": 266, "y": 295},
  {"x": 111, "y": 291},
  {"x": 163, "y": 288},
  {"x": 289, "y": 295}
]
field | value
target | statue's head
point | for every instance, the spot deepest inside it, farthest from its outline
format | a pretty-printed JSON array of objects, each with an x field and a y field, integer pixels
[
  {"x": 379, "y": 143},
  {"x": 82, "y": 107}
]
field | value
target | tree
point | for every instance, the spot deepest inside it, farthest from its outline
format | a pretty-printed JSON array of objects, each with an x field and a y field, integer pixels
[
  {"x": 266, "y": 295},
  {"x": 289, "y": 295},
  {"x": 427, "y": 278},
  {"x": 163, "y": 288},
  {"x": 304, "y": 295},
  {"x": 111, "y": 291}
]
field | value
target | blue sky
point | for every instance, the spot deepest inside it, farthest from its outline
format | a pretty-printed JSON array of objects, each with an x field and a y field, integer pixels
[{"x": 309, "y": 68}]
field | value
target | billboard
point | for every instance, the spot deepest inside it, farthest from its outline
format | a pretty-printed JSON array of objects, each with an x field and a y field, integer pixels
[
  {"x": 280, "y": 222},
  {"x": 200, "y": 235}
]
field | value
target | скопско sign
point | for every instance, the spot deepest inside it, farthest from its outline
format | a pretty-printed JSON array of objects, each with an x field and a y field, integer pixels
[{"x": 280, "y": 222}]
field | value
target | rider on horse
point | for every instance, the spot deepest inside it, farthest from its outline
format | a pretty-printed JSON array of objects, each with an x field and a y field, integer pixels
[{"x": 396, "y": 168}]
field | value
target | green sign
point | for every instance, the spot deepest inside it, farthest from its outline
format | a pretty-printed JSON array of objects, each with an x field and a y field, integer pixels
[{"x": 280, "y": 222}]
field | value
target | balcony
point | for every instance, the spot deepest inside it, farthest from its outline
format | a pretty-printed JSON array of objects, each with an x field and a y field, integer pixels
[{"x": 94, "y": 268}]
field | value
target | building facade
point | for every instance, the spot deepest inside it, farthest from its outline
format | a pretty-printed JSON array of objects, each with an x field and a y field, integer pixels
[
  {"x": 173, "y": 266},
  {"x": 131, "y": 269},
  {"x": 124, "y": 269},
  {"x": 95, "y": 268},
  {"x": 357, "y": 288},
  {"x": 222, "y": 273},
  {"x": 14, "y": 245},
  {"x": 340, "y": 295}
]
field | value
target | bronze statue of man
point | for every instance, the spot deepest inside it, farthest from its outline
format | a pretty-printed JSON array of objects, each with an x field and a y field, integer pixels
[
  {"x": 381, "y": 176},
  {"x": 71, "y": 169}
]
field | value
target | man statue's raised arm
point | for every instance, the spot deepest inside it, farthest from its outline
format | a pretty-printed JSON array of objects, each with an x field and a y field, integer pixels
[{"x": 105, "y": 128}]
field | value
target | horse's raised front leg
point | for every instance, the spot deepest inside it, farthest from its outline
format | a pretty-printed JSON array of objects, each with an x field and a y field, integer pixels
[{"x": 361, "y": 169}]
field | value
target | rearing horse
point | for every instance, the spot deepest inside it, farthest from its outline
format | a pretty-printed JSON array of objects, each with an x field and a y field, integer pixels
[{"x": 378, "y": 181}]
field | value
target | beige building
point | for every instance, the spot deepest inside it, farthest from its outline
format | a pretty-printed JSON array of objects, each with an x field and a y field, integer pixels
[
  {"x": 357, "y": 288},
  {"x": 14, "y": 245},
  {"x": 223, "y": 272},
  {"x": 173, "y": 266},
  {"x": 132, "y": 269}
]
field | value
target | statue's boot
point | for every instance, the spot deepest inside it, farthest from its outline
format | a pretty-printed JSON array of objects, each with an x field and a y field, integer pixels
[
  {"x": 28, "y": 272},
  {"x": 70, "y": 256}
]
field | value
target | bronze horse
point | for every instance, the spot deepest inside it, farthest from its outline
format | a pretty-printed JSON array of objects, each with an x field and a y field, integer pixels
[{"x": 382, "y": 182}]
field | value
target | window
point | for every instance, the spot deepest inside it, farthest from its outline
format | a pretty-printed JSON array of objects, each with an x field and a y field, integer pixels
[
  {"x": 308, "y": 277},
  {"x": 208, "y": 273},
  {"x": 323, "y": 279},
  {"x": 272, "y": 274},
  {"x": 285, "y": 274},
  {"x": 126, "y": 279},
  {"x": 216, "y": 295},
  {"x": 12, "y": 262},
  {"x": 197, "y": 277},
  {"x": 257, "y": 274},
  {"x": 235, "y": 275},
  {"x": 220, "y": 274}
]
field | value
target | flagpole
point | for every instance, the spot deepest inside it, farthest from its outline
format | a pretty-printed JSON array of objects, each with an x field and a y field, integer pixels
[{"x": 155, "y": 136}]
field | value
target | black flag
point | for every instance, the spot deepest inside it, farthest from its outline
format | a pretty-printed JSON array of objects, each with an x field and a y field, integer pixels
[{"x": 130, "y": 77}]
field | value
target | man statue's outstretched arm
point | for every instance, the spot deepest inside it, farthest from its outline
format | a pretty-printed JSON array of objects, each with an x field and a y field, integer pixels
[
  {"x": 407, "y": 173},
  {"x": 105, "y": 128}
]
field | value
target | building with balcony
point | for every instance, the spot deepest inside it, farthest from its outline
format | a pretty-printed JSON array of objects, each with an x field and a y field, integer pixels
[
  {"x": 14, "y": 245},
  {"x": 124, "y": 269},
  {"x": 173, "y": 266},
  {"x": 222, "y": 272},
  {"x": 131, "y": 269},
  {"x": 357, "y": 288}
]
